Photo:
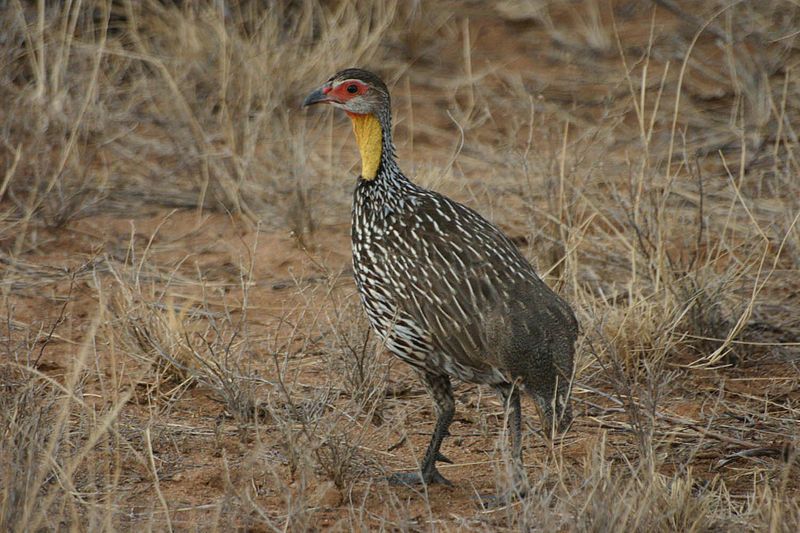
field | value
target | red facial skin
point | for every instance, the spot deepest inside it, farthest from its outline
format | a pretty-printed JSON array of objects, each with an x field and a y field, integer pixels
[{"x": 340, "y": 94}]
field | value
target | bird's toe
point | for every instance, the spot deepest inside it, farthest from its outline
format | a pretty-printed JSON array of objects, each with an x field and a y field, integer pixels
[
  {"x": 501, "y": 499},
  {"x": 410, "y": 479}
]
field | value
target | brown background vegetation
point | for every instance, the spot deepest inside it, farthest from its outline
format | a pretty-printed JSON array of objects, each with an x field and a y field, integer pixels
[{"x": 182, "y": 345}]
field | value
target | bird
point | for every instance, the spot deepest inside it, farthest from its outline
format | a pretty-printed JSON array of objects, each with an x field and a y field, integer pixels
[{"x": 445, "y": 289}]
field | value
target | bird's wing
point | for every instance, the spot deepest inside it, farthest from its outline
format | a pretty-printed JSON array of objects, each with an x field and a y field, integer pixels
[{"x": 462, "y": 274}]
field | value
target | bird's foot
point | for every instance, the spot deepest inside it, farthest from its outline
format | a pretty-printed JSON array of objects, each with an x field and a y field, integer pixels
[
  {"x": 428, "y": 476},
  {"x": 503, "y": 499},
  {"x": 410, "y": 479},
  {"x": 514, "y": 490}
]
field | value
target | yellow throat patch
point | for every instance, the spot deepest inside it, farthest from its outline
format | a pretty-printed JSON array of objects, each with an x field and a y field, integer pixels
[{"x": 369, "y": 137}]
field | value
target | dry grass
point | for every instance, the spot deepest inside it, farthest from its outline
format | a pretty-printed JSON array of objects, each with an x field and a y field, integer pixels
[{"x": 182, "y": 347}]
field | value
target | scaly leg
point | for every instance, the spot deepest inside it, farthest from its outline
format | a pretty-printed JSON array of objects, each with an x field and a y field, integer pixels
[
  {"x": 442, "y": 393},
  {"x": 511, "y": 398}
]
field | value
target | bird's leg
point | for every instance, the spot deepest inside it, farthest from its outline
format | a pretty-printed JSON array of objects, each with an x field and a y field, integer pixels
[
  {"x": 511, "y": 400},
  {"x": 442, "y": 393}
]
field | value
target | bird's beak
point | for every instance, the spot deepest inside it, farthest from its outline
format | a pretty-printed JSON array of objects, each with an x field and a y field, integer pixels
[{"x": 319, "y": 96}]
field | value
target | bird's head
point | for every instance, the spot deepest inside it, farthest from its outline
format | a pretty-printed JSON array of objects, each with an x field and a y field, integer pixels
[
  {"x": 365, "y": 98},
  {"x": 355, "y": 90}
]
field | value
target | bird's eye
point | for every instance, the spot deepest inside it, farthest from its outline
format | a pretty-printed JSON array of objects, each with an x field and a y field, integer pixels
[{"x": 352, "y": 88}]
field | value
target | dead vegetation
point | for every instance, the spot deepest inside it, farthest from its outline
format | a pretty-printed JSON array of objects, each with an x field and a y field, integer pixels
[{"x": 182, "y": 346}]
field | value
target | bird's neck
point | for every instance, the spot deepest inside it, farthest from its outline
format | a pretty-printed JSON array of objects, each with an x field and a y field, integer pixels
[{"x": 374, "y": 139}]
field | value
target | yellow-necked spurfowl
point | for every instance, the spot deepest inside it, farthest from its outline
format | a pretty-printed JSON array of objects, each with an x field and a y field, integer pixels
[{"x": 444, "y": 288}]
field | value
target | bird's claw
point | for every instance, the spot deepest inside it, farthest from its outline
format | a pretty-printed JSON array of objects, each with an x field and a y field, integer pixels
[{"x": 442, "y": 459}]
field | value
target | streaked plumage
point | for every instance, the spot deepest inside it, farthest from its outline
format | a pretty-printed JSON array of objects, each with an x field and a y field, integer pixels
[{"x": 448, "y": 292}]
